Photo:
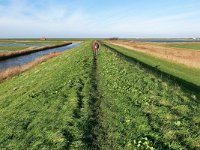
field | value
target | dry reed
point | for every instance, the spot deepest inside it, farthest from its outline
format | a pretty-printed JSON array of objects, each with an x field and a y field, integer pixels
[{"x": 186, "y": 57}]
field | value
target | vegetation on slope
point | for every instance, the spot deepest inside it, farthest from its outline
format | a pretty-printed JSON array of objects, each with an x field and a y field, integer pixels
[
  {"x": 190, "y": 75},
  {"x": 77, "y": 101},
  {"x": 12, "y": 48},
  {"x": 10, "y": 72},
  {"x": 47, "y": 107},
  {"x": 141, "y": 110},
  {"x": 6, "y": 55}
]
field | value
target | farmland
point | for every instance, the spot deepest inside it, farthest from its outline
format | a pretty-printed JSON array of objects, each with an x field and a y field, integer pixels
[
  {"x": 186, "y": 57},
  {"x": 22, "y": 44},
  {"x": 191, "y": 46},
  {"x": 109, "y": 101},
  {"x": 7, "y": 48}
]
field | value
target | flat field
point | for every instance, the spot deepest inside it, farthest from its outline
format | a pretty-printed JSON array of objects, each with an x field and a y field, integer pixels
[
  {"x": 186, "y": 57},
  {"x": 12, "y": 48},
  {"x": 191, "y": 46},
  {"x": 22, "y": 44}
]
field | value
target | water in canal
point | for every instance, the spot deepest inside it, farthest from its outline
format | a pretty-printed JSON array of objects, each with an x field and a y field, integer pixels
[{"x": 21, "y": 60}]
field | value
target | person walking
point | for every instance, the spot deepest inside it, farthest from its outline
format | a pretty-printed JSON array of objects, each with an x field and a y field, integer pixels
[{"x": 95, "y": 48}]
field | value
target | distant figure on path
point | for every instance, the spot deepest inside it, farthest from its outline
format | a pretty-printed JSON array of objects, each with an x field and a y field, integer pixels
[{"x": 95, "y": 47}]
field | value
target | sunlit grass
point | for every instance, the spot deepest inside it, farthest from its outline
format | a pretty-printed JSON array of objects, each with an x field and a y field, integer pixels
[{"x": 138, "y": 104}]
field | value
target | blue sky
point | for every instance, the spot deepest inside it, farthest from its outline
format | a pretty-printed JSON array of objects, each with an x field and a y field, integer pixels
[{"x": 98, "y": 18}]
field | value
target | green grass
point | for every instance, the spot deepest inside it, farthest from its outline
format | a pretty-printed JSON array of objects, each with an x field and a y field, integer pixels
[
  {"x": 12, "y": 48},
  {"x": 74, "y": 101},
  {"x": 192, "y": 46},
  {"x": 47, "y": 107},
  {"x": 140, "y": 110},
  {"x": 190, "y": 75}
]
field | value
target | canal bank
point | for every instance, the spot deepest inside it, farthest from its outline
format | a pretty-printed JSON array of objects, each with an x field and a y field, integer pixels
[
  {"x": 8, "y": 55},
  {"x": 24, "y": 59}
]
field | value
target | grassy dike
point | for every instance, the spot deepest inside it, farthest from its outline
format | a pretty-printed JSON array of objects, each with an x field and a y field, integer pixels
[
  {"x": 47, "y": 107},
  {"x": 188, "y": 76},
  {"x": 12, "y": 48},
  {"x": 78, "y": 101},
  {"x": 141, "y": 110},
  {"x": 6, "y": 55}
]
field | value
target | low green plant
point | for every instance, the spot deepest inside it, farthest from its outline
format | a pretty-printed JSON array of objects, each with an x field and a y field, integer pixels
[{"x": 142, "y": 110}]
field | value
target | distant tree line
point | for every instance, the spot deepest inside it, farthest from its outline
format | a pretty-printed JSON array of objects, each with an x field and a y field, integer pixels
[{"x": 114, "y": 38}]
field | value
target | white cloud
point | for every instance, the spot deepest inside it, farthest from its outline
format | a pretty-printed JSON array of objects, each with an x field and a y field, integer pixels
[
  {"x": 20, "y": 19},
  {"x": 25, "y": 19}
]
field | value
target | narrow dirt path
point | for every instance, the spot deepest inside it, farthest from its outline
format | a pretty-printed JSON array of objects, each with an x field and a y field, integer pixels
[{"x": 93, "y": 128}]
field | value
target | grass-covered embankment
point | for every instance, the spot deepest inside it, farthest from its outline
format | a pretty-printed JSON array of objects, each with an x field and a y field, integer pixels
[
  {"x": 10, "y": 72},
  {"x": 12, "y": 48},
  {"x": 48, "y": 107},
  {"x": 182, "y": 73},
  {"x": 6, "y": 55},
  {"x": 74, "y": 101},
  {"x": 142, "y": 110}
]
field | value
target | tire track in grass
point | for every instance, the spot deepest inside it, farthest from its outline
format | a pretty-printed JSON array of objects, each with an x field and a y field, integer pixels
[
  {"x": 76, "y": 115},
  {"x": 93, "y": 129},
  {"x": 77, "y": 111}
]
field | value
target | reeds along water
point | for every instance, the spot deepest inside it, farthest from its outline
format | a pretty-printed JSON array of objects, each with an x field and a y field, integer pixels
[{"x": 5, "y": 74}]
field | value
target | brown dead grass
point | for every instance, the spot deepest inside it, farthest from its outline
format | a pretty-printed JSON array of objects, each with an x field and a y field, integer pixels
[
  {"x": 176, "y": 55},
  {"x": 10, "y": 72},
  {"x": 6, "y": 55}
]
